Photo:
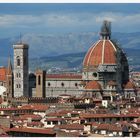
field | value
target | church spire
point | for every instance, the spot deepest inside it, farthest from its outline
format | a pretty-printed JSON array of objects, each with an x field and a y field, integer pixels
[
  {"x": 9, "y": 69},
  {"x": 106, "y": 30}
]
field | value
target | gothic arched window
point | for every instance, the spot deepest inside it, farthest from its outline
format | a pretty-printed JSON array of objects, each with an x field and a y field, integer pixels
[{"x": 18, "y": 61}]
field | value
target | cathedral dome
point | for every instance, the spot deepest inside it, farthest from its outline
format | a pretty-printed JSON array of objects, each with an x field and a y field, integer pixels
[
  {"x": 105, "y": 61},
  {"x": 102, "y": 52},
  {"x": 93, "y": 85}
]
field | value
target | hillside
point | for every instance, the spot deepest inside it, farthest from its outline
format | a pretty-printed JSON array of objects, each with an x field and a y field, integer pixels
[
  {"x": 74, "y": 61},
  {"x": 49, "y": 49}
]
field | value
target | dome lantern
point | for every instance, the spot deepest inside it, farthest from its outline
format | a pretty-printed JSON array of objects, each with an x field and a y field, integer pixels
[{"x": 106, "y": 30}]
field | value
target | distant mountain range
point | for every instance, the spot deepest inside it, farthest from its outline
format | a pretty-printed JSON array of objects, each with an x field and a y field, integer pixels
[
  {"x": 74, "y": 61},
  {"x": 69, "y": 48}
]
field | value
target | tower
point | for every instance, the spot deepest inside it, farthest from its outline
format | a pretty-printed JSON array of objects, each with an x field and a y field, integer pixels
[
  {"x": 40, "y": 83},
  {"x": 9, "y": 79},
  {"x": 21, "y": 70}
]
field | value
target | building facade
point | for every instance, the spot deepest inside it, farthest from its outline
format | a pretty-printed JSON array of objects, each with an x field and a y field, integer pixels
[{"x": 58, "y": 84}]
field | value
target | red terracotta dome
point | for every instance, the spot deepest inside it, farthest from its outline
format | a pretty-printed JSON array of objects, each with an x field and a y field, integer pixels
[
  {"x": 102, "y": 52},
  {"x": 129, "y": 85},
  {"x": 93, "y": 85}
]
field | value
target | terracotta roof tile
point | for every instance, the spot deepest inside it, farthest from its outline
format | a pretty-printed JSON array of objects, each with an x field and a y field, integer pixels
[
  {"x": 94, "y": 124},
  {"x": 134, "y": 110},
  {"x": 129, "y": 85},
  {"x": 35, "y": 107},
  {"x": 64, "y": 76},
  {"x": 32, "y": 130},
  {"x": 3, "y": 71},
  {"x": 135, "y": 115},
  {"x": 93, "y": 85},
  {"x": 74, "y": 126},
  {"x": 26, "y": 107},
  {"x": 109, "y": 127},
  {"x": 54, "y": 119},
  {"x": 13, "y": 109},
  {"x": 54, "y": 114},
  {"x": 32, "y": 116}
]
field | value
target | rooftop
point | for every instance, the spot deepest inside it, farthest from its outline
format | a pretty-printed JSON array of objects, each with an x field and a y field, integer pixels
[
  {"x": 32, "y": 130},
  {"x": 87, "y": 115},
  {"x": 64, "y": 76},
  {"x": 93, "y": 85},
  {"x": 3, "y": 72}
]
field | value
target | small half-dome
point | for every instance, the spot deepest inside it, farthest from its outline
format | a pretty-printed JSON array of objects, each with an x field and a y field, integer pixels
[
  {"x": 129, "y": 85},
  {"x": 93, "y": 85}
]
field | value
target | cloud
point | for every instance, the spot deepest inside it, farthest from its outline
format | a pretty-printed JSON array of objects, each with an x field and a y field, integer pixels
[
  {"x": 17, "y": 20},
  {"x": 120, "y": 19},
  {"x": 68, "y": 21}
]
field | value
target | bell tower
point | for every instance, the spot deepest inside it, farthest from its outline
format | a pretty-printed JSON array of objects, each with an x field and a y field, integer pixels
[{"x": 21, "y": 78}]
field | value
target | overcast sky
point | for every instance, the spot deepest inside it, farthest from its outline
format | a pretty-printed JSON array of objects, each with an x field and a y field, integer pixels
[{"x": 65, "y": 18}]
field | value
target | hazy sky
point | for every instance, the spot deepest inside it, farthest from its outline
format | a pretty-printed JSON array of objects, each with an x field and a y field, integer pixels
[{"x": 64, "y": 18}]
